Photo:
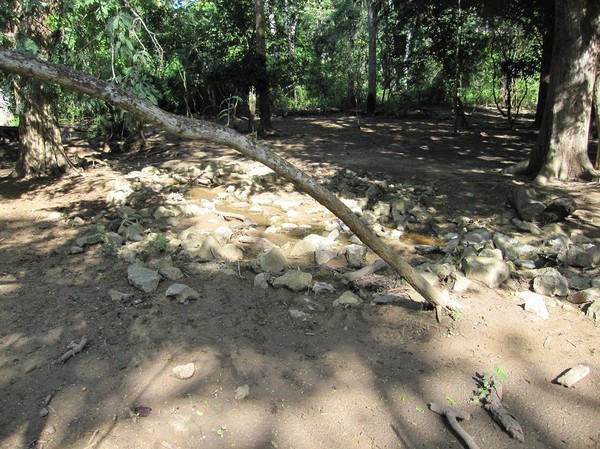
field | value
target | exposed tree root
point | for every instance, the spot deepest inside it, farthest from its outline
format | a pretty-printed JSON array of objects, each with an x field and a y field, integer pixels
[
  {"x": 452, "y": 415},
  {"x": 73, "y": 349},
  {"x": 352, "y": 276}
]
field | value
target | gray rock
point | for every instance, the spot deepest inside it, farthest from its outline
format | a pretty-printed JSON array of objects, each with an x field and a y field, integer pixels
[
  {"x": 273, "y": 261},
  {"x": 171, "y": 273},
  {"x": 512, "y": 248},
  {"x": 347, "y": 299},
  {"x": 182, "y": 293},
  {"x": 526, "y": 226},
  {"x": 209, "y": 249},
  {"x": 118, "y": 296},
  {"x": 573, "y": 375},
  {"x": 143, "y": 278},
  {"x": 241, "y": 392},
  {"x": 113, "y": 239},
  {"x": 550, "y": 283},
  {"x": 134, "y": 232},
  {"x": 382, "y": 210},
  {"x": 298, "y": 314},
  {"x": 491, "y": 252},
  {"x": 580, "y": 255},
  {"x": 165, "y": 212},
  {"x": 583, "y": 296},
  {"x": 578, "y": 282},
  {"x": 477, "y": 237},
  {"x": 323, "y": 287},
  {"x": 262, "y": 280},
  {"x": 91, "y": 239},
  {"x": 76, "y": 250},
  {"x": 534, "y": 303},
  {"x": 163, "y": 262},
  {"x": 593, "y": 311},
  {"x": 324, "y": 254},
  {"x": 230, "y": 253},
  {"x": 309, "y": 245},
  {"x": 294, "y": 280},
  {"x": 525, "y": 263},
  {"x": 462, "y": 284},
  {"x": 399, "y": 208},
  {"x": 355, "y": 255},
  {"x": 184, "y": 371},
  {"x": 489, "y": 270}
]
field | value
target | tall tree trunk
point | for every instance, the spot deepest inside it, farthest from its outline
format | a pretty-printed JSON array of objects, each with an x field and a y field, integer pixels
[
  {"x": 561, "y": 149},
  {"x": 41, "y": 150},
  {"x": 189, "y": 128},
  {"x": 597, "y": 117},
  {"x": 372, "y": 57},
  {"x": 546, "y": 63},
  {"x": 261, "y": 73}
]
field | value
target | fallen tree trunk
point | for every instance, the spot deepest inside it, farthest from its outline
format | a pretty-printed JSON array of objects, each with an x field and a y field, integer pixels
[{"x": 193, "y": 129}]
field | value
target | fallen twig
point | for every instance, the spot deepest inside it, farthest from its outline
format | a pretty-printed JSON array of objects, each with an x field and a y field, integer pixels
[
  {"x": 352, "y": 276},
  {"x": 73, "y": 349},
  {"x": 452, "y": 415}
]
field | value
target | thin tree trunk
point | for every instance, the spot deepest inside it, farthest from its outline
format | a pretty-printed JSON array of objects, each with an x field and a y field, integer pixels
[
  {"x": 200, "y": 130},
  {"x": 457, "y": 70},
  {"x": 547, "y": 43},
  {"x": 372, "y": 57},
  {"x": 261, "y": 73},
  {"x": 561, "y": 149},
  {"x": 597, "y": 117}
]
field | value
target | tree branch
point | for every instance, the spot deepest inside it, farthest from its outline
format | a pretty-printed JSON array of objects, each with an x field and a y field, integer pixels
[{"x": 193, "y": 129}]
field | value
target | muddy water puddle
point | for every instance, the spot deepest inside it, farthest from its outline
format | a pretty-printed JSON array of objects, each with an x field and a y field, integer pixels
[{"x": 308, "y": 218}]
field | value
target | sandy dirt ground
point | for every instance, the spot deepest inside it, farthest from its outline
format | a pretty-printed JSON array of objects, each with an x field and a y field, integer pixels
[{"x": 345, "y": 378}]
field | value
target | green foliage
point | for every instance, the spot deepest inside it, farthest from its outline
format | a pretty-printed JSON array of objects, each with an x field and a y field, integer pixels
[
  {"x": 160, "y": 242},
  {"x": 196, "y": 57},
  {"x": 487, "y": 381}
]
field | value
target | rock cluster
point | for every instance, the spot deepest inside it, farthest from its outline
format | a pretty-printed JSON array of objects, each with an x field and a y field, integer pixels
[{"x": 159, "y": 228}]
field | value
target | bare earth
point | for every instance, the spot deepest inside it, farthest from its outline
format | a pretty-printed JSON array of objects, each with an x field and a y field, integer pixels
[{"x": 345, "y": 378}]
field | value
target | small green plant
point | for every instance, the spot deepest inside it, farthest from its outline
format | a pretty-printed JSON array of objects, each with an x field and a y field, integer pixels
[
  {"x": 109, "y": 249},
  {"x": 229, "y": 106},
  {"x": 160, "y": 242},
  {"x": 486, "y": 382}
]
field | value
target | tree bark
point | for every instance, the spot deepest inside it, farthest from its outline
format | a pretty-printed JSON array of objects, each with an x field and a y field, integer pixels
[
  {"x": 372, "y": 57},
  {"x": 597, "y": 118},
  {"x": 200, "y": 130},
  {"x": 546, "y": 62},
  {"x": 261, "y": 73},
  {"x": 41, "y": 150},
  {"x": 561, "y": 149}
]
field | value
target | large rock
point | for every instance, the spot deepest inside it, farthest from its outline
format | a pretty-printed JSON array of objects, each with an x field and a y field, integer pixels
[
  {"x": 534, "y": 303},
  {"x": 355, "y": 255},
  {"x": 593, "y": 311},
  {"x": 272, "y": 261},
  {"x": 583, "y": 296},
  {"x": 347, "y": 299},
  {"x": 477, "y": 237},
  {"x": 294, "y": 280},
  {"x": 580, "y": 255},
  {"x": 143, "y": 278},
  {"x": 182, "y": 293},
  {"x": 550, "y": 283},
  {"x": 489, "y": 270}
]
